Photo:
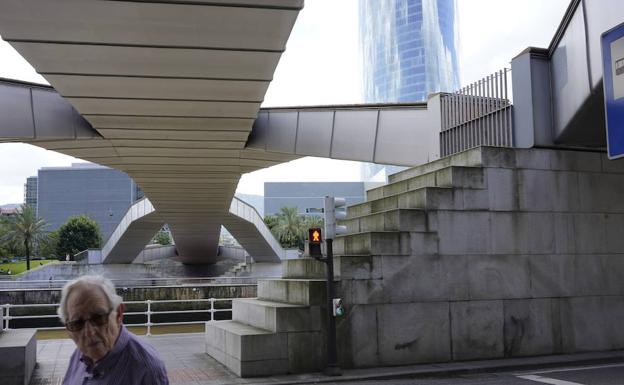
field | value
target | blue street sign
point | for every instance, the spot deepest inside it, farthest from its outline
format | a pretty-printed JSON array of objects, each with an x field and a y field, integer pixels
[{"x": 612, "y": 43}]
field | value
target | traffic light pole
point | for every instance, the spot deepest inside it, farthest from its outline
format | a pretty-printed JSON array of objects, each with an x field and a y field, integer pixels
[{"x": 332, "y": 368}]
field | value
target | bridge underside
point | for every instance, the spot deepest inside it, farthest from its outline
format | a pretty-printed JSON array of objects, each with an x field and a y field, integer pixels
[
  {"x": 171, "y": 99},
  {"x": 172, "y": 102}
]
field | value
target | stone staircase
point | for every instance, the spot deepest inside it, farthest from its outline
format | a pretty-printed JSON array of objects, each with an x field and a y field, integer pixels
[
  {"x": 396, "y": 218},
  {"x": 236, "y": 270},
  {"x": 467, "y": 257},
  {"x": 280, "y": 331}
]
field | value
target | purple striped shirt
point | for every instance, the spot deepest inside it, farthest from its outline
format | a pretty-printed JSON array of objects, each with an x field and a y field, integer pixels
[{"x": 130, "y": 362}]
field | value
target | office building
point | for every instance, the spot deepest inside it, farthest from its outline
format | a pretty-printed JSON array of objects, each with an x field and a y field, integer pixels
[
  {"x": 102, "y": 193},
  {"x": 30, "y": 191},
  {"x": 409, "y": 50},
  {"x": 307, "y": 197}
]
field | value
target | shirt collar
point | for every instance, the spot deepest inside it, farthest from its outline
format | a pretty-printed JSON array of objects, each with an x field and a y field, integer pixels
[{"x": 110, "y": 359}]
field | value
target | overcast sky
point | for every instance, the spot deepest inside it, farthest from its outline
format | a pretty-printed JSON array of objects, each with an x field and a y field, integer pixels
[{"x": 321, "y": 66}]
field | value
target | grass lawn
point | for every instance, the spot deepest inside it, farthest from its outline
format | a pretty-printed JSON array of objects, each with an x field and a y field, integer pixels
[{"x": 20, "y": 267}]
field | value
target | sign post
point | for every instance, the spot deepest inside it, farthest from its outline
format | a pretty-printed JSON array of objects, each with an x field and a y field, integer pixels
[{"x": 612, "y": 43}]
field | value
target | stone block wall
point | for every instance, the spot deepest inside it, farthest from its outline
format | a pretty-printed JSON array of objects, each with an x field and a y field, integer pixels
[{"x": 530, "y": 264}]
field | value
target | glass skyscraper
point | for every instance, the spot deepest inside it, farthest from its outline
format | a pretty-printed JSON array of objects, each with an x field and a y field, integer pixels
[{"x": 409, "y": 50}]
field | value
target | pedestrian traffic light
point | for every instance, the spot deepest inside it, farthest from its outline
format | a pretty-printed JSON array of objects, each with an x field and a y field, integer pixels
[
  {"x": 338, "y": 310},
  {"x": 314, "y": 241},
  {"x": 335, "y": 208}
]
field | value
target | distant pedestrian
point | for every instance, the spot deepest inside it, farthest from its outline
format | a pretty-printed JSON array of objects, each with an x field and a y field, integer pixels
[{"x": 107, "y": 353}]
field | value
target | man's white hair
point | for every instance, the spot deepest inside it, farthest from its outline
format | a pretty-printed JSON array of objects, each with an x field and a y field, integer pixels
[{"x": 103, "y": 283}]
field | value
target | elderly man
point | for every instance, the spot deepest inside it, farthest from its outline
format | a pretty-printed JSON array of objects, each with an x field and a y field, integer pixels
[{"x": 107, "y": 353}]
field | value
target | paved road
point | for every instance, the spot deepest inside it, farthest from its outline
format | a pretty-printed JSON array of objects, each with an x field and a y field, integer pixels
[
  {"x": 187, "y": 364},
  {"x": 612, "y": 374}
]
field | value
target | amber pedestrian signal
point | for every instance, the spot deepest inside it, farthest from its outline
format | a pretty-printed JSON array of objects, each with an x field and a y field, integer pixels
[{"x": 314, "y": 241}]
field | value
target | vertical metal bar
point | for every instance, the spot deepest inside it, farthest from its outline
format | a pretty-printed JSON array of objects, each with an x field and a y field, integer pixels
[
  {"x": 484, "y": 106},
  {"x": 491, "y": 108},
  {"x": 332, "y": 368},
  {"x": 496, "y": 104},
  {"x": 472, "y": 113},
  {"x": 500, "y": 109},
  {"x": 508, "y": 115},
  {"x": 481, "y": 118},
  {"x": 149, "y": 317},
  {"x": 464, "y": 115},
  {"x": 454, "y": 106},
  {"x": 212, "y": 309},
  {"x": 8, "y": 316},
  {"x": 462, "y": 108},
  {"x": 442, "y": 118}
]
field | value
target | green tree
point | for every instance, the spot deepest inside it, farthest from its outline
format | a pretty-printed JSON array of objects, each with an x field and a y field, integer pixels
[
  {"x": 314, "y": 221},
  {"x": 289, "y": 229},
  {"x": 270, "y": 221},
  {"x": 48, "y": 245},
  {"x": 26, "y": 229},
  {"x": 79, "y": 233},
  {"x": 162, "y": 237}
]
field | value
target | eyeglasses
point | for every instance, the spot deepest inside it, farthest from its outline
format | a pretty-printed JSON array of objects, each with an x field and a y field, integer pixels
[{"x": 97, "y": 320}]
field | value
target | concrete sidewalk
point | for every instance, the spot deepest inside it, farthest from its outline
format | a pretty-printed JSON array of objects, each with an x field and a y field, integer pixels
[{"x": 187, "y": 364}]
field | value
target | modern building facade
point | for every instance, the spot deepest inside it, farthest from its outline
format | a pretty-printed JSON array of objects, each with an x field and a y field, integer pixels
[
  {"x": 307, "y": 197},
  {"x": 30, "y": 191},
  {"x": 409, "y": 50},
  {"x": 102, "y": 193}
]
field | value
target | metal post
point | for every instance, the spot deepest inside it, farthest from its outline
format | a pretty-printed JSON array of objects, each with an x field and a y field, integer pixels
[
  {"x": 212, "y": 309},
  {"x": 149, "y": 317},
  {"x": 332, "y": 368},
  {"x": 8, "y": 316}
]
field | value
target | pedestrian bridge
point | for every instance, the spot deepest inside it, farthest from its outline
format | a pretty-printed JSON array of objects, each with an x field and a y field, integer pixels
[{"x": 175, "y": 102}]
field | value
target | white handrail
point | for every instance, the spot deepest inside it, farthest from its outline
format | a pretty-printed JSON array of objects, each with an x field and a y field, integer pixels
[
  {"x": 134, "y": 282},
  {"x": 7, "y": 317}
]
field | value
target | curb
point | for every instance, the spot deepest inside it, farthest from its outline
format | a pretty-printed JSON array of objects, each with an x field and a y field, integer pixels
[{"x": 468, "y": 367}]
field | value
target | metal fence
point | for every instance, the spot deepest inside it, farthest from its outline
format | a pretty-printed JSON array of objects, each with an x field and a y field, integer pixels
[
  {"x": 6, "y": 284},
  {"x": 148, "y": 313},
  {"x": 478, "y": 115}
]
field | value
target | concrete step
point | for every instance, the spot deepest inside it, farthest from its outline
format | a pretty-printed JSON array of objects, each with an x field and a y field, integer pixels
[
  {"x": 303, "y": 268},
  {"x": 246, "y": 350},
  {"x": 391, "y": 220},
  {"x": 277, "y": 317},
  {"x": 475, "y": 157},
  {"x": 395, "y": 243},
  {"x": 469, "y": 158},
  {"x": 452, "y": 176},
  {"x": 422, "y": 198},
  {"x": 308, "y": 292}
]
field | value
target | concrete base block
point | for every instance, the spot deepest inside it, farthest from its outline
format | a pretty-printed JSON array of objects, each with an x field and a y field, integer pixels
[
  {"x": 18, "y": 349},
  {"x": 306, "y": 352},
  {"x": 358, "y": 338},
  {"x": 530, "y": 328},
  {"x": 477, "y": 329},
  {"x": 276, "y": 316},
  {"x": 303, "y": 268},
  {"x": 243, "y": 348},
  {"x": 412, "y": 333},
  {"x": 295, "y": 291}
]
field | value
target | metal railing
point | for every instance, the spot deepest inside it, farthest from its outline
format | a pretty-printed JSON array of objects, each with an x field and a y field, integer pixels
[
  {"x": 134, "y": 282},
  {"x": 478, "y": 115},
  {"x": 148, "y": 313}
]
